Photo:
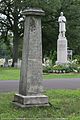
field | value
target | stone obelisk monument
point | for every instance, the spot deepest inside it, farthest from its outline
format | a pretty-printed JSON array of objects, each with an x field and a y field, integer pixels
[
  {"x": 62, "y": 42},
  {"x": 30, "y": 87}
]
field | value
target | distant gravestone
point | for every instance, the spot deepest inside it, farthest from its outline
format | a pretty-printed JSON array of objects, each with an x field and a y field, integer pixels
[
  {"x": 69, "y": 55},
  {"x": 62, "y": 42},
  {"x": 30, "y": 87}
]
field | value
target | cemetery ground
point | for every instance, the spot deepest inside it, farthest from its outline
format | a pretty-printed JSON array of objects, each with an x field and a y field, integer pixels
[
  {"x": 63, "y": 104},
  {"x": 14, "y": 74}
]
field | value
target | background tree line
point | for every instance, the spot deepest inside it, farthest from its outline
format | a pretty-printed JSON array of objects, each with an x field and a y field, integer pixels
[{"x": 11, "y": 25}]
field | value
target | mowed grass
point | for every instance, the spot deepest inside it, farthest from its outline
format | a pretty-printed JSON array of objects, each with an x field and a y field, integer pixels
[
  {"x": 64, "y": 104},
  {"x": 14, "y": 74},
  {"x": 9, "y": 74},
  {"x": 64, "y": 75}
]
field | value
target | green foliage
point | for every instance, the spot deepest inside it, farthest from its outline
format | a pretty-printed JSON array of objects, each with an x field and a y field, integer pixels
[
  {"x": 14, "y": 23},
  {"x": 73, "y": 22},
  {"x": 70, "y": 67},
  {"x": 77, "y": 57},
  {"x": 53, "y": 56},
  {"x": 4, "y": 51},
  {"x": 71, "y": 10},
  {"x": 58, "y": 67},
  {"x": 47, "y": 69}
]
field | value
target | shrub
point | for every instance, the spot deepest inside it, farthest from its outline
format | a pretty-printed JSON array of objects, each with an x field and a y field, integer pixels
[
  {"x": 78, "y": 58},
  {"x": 70, "y": 67},
  {"x": 47, "y": 69},
  {"x": 58, "y": 68}
]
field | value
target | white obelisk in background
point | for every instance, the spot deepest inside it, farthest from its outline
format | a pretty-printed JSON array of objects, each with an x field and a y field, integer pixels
[{"x": 62, "y": 42}]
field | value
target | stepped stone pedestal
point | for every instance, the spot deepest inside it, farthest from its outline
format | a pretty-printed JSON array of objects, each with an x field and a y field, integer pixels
[{"x": 30, "y": 87}]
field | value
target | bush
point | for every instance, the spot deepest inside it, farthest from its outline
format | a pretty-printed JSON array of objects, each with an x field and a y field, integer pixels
[
  {"x": 70, "y": 67},
  {"x": 58, "y": 68},
  {"x": 47, "y": 69},
  {"x": 53, "y": 56},
  {"x": 78, "y": 58},
  {"x": 79, "y": 69}
]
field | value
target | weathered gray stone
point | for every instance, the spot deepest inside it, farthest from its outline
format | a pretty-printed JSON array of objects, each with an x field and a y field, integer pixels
[
  {"x": 33, "y": 12},
  {"x": 31, "y": 100},
  {"x": 30, "y": 87}
]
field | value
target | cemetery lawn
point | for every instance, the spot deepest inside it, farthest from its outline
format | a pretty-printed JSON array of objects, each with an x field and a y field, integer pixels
[
  {"x": 9, "y": 74},
  {"x": 64, "y": 75},
  {"x": 14, "y": 74},
  {"x": 64, "y": 104}
]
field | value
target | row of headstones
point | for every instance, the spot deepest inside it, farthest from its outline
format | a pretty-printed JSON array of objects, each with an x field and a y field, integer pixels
[{"x": 3, "y": 63}]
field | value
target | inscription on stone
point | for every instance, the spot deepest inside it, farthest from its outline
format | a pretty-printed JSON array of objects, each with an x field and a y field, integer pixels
[{"x": 32, "y": 24}]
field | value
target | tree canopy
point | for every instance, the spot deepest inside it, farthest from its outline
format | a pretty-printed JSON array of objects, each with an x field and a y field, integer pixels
[{"x": 11, "y": 23}]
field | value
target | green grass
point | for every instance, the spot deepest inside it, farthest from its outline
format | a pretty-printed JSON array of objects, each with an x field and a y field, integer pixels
[
  {"x": 64, "y": 104},
  {"x": 14, "y": 74},
  {"x": 66, "y": 75},
  {"x": 9, "y": 74}
]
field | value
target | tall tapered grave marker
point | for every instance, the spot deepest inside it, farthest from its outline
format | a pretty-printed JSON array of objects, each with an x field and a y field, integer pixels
[{"x": 30, "y": 87}]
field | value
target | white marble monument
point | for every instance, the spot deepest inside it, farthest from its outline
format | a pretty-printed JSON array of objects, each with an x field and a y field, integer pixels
[
  {"x": 30, "y": 86},
  {"x": 62, "y": 41}
]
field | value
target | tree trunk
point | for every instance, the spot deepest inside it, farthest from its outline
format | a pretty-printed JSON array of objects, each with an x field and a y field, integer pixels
[
  {"x": 16, "y": 37},
  {"x": 15, "y": 49}
]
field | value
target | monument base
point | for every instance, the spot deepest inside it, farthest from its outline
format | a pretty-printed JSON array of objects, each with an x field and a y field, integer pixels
[
  {"x": 61, "y": 51},
  {"x": 61, "y": 63},
  {"x": 30, "y": 101}
]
